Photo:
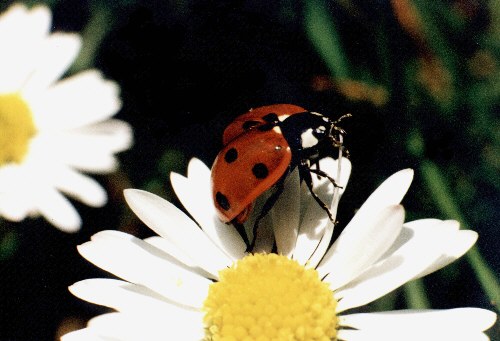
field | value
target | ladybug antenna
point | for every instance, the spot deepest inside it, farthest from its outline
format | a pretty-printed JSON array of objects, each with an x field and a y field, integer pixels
[
  {"x": 338, "y": 138},
  {"x": 342, "y": 117},
  {"x": 337, "y": 128}
]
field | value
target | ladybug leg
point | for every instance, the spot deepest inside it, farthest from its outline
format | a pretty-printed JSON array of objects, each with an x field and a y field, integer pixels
[
  {"x": 241, "y": 230},
  {"x": 279, "y": 187},
  {"x": 321, "y": 173},
  {"x": 306, "y": 176},
  {"x": 316, "y": 163}
]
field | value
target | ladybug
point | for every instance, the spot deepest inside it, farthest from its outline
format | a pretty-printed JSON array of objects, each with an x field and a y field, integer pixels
[{"x": 260, "y": 149}]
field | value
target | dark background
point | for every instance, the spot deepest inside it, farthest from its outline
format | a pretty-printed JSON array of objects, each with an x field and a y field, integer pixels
[{"x": 187, "y": 68}]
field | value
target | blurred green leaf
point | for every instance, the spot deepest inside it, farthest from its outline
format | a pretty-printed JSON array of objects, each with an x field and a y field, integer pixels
[
  {"x": 323, "y": 34},
  {"x": 437, "y": 186},
  {"x": 95, "y": 31},
  {"x": 172, "y": 160},
  {"x": 8, "y": 244},
  {"x": 415, "y": 295}
]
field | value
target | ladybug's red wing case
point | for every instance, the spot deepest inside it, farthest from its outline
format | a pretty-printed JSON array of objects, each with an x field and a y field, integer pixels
[
  {"x": 245, "y": 168},
  {"x": 256, "y": 117}
]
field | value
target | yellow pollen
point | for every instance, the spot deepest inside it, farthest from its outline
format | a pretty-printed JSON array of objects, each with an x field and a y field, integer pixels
[
  {"x": 16, "y": 128},
  {"x": 269, "y": 297}
]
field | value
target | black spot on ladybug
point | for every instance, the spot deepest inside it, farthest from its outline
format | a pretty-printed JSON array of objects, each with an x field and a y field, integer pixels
[
  {"x": 222, "y": 201},
  {"x": 270, "y": 118},
  {"x": 231, "y": 155},
  {"x": 266, "y": 127},
  {"x": 260, "y": 171},
  {"x": 249, "y": 124}
]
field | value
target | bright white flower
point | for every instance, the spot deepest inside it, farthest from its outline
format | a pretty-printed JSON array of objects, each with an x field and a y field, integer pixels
[
  {"x": 52, "y": 130},
  {"x": 184, "y": 284}
]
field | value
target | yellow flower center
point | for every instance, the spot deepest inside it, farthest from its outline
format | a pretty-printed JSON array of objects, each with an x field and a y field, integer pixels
[
  {"x": 16, "y": 128},
  {"x": 269, "y": 297}
]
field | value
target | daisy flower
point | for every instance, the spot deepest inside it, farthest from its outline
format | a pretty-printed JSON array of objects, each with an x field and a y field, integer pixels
[
  {"x": 52, "y": 130},
  {"x": 194, "y": 280}
]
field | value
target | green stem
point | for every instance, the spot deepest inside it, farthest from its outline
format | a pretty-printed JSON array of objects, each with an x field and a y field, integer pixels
[
  {"x": 94, "y": 33},
  {"x": 324, "y": 36},
  {"x": 9, "y": 241},
  {"x": 386, "y": 303},
  {"x": 415, "y": 295},
  {"x": 438, "y": 188}
]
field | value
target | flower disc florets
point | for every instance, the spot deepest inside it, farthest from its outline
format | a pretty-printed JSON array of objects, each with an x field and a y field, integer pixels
[
  {"x": 269, "y": 297},
  {"x": 16, "y": 128}
]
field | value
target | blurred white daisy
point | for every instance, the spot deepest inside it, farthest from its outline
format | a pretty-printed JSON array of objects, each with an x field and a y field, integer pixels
[
  {"x": 50, "y": 130},
  {"x": 194, "y": 281}
]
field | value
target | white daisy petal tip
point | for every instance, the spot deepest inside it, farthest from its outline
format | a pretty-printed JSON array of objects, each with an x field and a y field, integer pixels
[
  {"x": 133, "y": 196},
  {"x": 77, "y": 287},
  {"x": 72, "y": 40},
  {"x": 472, "y": 237},
  {"x": 83, "y": 249},
  {"x": 177, "y": 180},
  {"x": 488, "y": 318},
  {"x": 42, "y": 13},
  {"x": 80, "y": 335},
  {"x": 405, "y": 176},
  {"x": 196, "y": 166},
  {"x": 98, "y": 200},
  {"x": 69, "y": 223},
  {"x": 452, "y": 224}
]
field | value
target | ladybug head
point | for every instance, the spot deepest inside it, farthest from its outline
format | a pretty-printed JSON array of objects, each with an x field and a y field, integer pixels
[{"x": 311, "y": 134}]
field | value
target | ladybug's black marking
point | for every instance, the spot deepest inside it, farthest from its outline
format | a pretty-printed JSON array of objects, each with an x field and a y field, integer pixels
[
  {"x": 260, "y": 171},
  {"x": 266, "y": 127},
  {"x": 222, "y": 201},
  {"x": 231, "y": 155},
  {"x": 270, "y": 118},
  {"x": 249, "y": 124}
]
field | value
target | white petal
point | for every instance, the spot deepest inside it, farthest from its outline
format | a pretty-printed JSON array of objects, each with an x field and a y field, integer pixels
[
  {"x": 390, "y": 192},
  {"x": 195, "y": 195},
  {"x": 126, "y": 326},
  {"x": 54, "y": 207},
  {"x": 31, "y": 25},
  {"x": 344, "y": 169},
  {"x": 21, "y": 35},
  {"x": 16, "y": 192},
  {"x": 177, "y": 254},
  {"x": 461, "y": 319},
  {"x": 390, "y": 273},
  {"x": 461, "y": 242},
  {"x": 397, "y": 334},
  {"x": 85, "y": 334},
  {"x": 61, "y": 148},
  {"x": 354, "y": 251},
  {"x": 315, "y": 222},
  {"x": 166, "y": 246},
  {"x": 14, "y": 207},
  {"x": 125, "y": 297},
  {"x": 54, "y": 57},
  {"x": 421, "y": 226},
  {"x": 111, "y": 135},
  {"x": 139, "y": 262},
  {"x": 87, "y": 161},
  {"x": 79, "y": 186},
  {"x": 458, "y": 241},
  {"x": 285, "y": 215},
  {"x": 79, "y": 100},
  {"x": 171, "y": 223},
  {"x": 264, "y": 242}
]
